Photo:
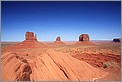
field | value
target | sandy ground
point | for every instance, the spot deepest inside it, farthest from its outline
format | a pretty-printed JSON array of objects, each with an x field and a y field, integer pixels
[{"x": 98, "y": 60}]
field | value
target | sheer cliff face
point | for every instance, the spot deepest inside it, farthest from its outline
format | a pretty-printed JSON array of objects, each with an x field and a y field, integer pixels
[
  {"x": 30, "y": 36},
  {"x": 58, "y": 40},
  {"x": 84, "y": 40},
  {"x": 84, "y": 37},
  {"x": 30, "y": 42}
]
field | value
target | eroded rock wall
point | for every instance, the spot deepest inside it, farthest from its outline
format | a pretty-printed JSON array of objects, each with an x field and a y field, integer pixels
[{"x": 84, "y": 37}]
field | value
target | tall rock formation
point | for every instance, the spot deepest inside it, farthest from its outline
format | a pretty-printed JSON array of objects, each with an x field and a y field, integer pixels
[
  {"x": 84, "y": 40},
  {"x": 116, "y": 40},
  {"x": 58, "y": 40},
  {"x": 84, "y": 37},
  {"x": 30, "y": 36},
  {"x": 30, "y": 41}
]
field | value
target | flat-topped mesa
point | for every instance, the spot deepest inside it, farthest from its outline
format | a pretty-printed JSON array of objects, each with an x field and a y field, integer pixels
[
  {"x": 58, "y": 39},
  {"x": 30, "y": 36},
  {"x": 30, "y": 42},
  {"x": 117, "y": 40},
  {"x": 84, "y": 40},
  {"x": 84, "y": 37}
]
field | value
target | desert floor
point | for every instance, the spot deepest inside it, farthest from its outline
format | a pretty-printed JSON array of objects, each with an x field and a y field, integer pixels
[{"x": 103, "y": 55}]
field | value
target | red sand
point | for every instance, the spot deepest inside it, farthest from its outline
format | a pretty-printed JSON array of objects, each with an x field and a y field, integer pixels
[{"x": 32, "y": 60}]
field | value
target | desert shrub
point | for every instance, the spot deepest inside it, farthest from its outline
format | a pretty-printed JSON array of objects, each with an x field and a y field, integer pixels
[
  {"x": 110, "y": 64},
  {"x": 105, "y": 66}
]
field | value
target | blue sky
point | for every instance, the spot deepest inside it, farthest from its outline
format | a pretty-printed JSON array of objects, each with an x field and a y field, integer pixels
[{"x": 100, "y": 19}]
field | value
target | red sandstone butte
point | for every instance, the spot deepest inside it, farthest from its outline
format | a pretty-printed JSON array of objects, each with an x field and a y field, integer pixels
[
  {"x": 84, "y": 37},
  {"x": 30, "y": 42},
  {"x": 58, "y": 40},
  {"x": 84, "y": 40},
  {"x": 30, "y": 36}
]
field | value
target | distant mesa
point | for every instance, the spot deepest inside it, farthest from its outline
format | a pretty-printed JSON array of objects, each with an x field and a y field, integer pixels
[
  {"x": 58, "y": 40},
  {"x": 84, "y": 37},
  {"x": 116, "y": 40},
  {"x": 30, "y": 36},
  {"x": 30, "y": 41}
]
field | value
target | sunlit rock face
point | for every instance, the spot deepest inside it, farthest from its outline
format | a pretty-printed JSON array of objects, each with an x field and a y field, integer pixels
[
  {"x": 15, "y": 67},
  {"x": 84, "y": 37},
  {"x": 58, "y": 40},
  {"x": 30, "y": 36},
  {"x": 30, "y": 42}
]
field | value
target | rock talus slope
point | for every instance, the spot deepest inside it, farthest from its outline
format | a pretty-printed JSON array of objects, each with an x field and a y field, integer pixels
[{"x": 30, "y": 44}]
